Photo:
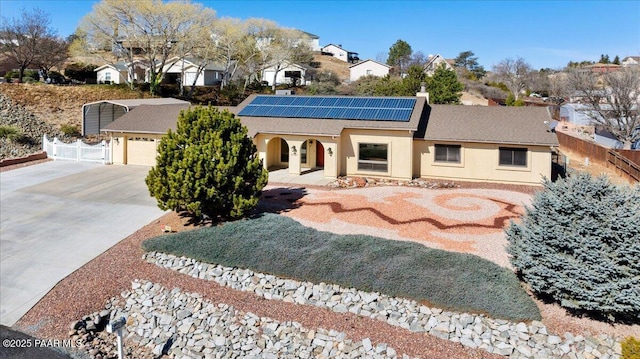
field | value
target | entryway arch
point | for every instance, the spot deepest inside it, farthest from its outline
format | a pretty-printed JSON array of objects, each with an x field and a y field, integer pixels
[{"x": 277, "y": 153}]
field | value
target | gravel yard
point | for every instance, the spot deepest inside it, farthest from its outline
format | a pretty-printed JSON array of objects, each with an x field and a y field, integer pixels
[{"x": 467, "y": 220}]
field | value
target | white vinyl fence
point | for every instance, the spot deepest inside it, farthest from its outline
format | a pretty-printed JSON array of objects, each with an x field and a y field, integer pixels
[{"x": 78, "y": 151}]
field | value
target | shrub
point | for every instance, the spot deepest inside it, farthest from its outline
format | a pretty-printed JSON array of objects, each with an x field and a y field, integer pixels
[
  {"x": 81, "y": 72},
  {"x": 281, "y": 246},
  {"x": 631, "y": 348},
  {"x": 70, "y": 130},
  {"x": 11, "y": 133},
  {"x": 208, "y": 166},
  {"x": 579, "y": 244}
]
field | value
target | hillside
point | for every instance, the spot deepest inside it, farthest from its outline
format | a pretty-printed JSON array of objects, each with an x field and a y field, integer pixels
[
  {"x": 57, "y": 105},
  {"x": 330, "y": 63}
]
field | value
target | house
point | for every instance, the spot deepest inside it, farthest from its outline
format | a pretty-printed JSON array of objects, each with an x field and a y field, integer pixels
[
  {"x": 118, "y": 73},
  {"x": 96, "y": 115},
  {"x": 185, "y": 69},
  {"x": 368, "y": 68},
  {"x": 602, "y": 68},
  {"x": 387, "y": 137},
  {"x": 313, "y": 41},
  {"x": 434, "y": 61},
  {"x": 341, "y": 54},
  {"x": 574, "y": 117},
  {"x": 630, "y": 61},
  {"x": 289, "y": 74}
]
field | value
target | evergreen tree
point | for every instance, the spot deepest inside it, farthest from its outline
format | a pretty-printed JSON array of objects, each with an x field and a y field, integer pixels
[
  {"x": 616, "y": 60},
  {"x": 579, "y": 243},
  {"x": 399, "y": 56},
  {"x": 208, "y": 166},
  {"x": 444, "y": 87},
  {"x": 412, "y": 82}
]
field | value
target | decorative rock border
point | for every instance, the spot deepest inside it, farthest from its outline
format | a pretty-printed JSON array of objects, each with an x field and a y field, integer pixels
[
  {"x": 181, "y": 324},
  {"x": 359, "y": 182},
  {"x": 515, "y": 340}
]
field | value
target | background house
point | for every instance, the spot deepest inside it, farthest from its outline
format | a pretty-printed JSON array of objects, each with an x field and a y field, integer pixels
[
  {"x": 186, "y": 70},
  {"x": 313, "y": 41},
  {"x": 630, "y": 61},
  {"x": 368, "y": 68},
  {"x": 434, "y": 61},
  {"x": 287, "y": 75},
  {"x": 341, "y": 54},
  {"x": 118, "y": 73}
]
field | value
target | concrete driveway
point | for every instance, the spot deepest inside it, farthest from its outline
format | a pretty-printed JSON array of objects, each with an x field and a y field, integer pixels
[{"x": 57, "y": 216}]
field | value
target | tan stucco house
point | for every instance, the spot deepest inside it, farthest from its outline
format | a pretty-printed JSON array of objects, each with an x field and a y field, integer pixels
[{"x": 390, "y": 137}]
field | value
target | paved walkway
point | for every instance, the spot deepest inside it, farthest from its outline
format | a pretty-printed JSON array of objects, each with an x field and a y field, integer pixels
[
  {"x": 57, "y": 216},
  {"x": 315, "y": 178}
]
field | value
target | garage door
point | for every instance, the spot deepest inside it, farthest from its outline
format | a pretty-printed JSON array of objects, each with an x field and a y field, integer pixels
[{"x": 141, "y": 151}]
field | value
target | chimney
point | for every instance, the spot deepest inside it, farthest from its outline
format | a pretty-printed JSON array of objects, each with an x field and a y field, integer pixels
[{"x": 423, "y": 91}]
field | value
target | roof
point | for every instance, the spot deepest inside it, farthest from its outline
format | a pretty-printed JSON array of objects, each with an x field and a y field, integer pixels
[
  {"x": 311, "y": 35},
  {"x": 132, "y": 103},
  {"x": 120, "y": 66},
  {"x": 324, "y": 127},
  {"x": 148, "y": 119},
  {"x": 491, "y": 124},
  {"x": 369, "y": 60}
]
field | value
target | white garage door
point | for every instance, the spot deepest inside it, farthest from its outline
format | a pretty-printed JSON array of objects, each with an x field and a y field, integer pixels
[{"x": 141, "y": 151}]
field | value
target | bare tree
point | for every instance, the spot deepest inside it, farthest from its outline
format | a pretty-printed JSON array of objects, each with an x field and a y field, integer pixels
[
  {"x": 52, "y": 52},
  {"x": 23, "y": 38},
  {"x": 148, "y": 31},
  {"x": 515, "y": 74},
  {"x": 611, "y": 101}
]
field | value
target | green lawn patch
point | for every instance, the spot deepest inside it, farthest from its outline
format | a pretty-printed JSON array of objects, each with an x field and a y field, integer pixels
[{"x": 278, "y": 245}]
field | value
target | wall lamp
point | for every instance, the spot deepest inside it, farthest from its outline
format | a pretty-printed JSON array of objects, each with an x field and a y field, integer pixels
[
  {"x": 293, "y": 150},
  {"x": 116, "y": 140},
  {"x": 330, "y": 151}
]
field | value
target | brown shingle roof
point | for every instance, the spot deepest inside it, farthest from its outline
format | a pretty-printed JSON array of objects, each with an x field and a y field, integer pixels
[
  {"x": 148, "y": 119},
  {"x": 495, "y": 124}
]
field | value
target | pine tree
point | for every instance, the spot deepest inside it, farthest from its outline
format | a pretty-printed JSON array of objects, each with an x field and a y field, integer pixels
[
  {"x": 208, "y": 166},
  {"x": 579, "y": 243},
  {"x": 444, "y": 87}
]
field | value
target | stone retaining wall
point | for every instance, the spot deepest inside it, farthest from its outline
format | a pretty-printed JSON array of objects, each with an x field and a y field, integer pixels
[
  {"x": 184, "y": 325},
  {"x": 515, "y": 340}
]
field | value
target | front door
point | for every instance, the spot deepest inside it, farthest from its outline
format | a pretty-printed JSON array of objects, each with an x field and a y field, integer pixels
[{"x": 319, "y": 154}]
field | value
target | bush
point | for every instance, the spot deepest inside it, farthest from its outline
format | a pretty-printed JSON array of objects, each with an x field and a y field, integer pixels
[
  {"x": 81, "y": 72},
  {"x": 70, "y": 130},
  {"x": 579, "y": 244},
  {"x": 11, "y": 133},
  {"x": 208, "y": 166},
  {"x": 281, "y": 246},
  {"x": 631, "y": 348}
]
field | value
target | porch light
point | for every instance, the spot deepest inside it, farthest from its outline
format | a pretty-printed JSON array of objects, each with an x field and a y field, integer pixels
[
  {"x": 293, "y": 150},
  {"x": 330, "y": 151},
  {"x": 116, "y": 140}
]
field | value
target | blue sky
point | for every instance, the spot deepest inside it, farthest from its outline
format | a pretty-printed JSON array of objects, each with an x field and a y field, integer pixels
[{"x": 544, "y": 33}]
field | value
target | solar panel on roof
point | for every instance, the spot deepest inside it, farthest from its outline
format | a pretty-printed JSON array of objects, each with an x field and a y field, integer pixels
[{"x": 331, "y": 107}]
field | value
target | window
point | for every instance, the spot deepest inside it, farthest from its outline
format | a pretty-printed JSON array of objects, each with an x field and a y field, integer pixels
[
  {"x": 447, "y": 153},
  {"x": 107, "y": 76},
  {"x": 369, "y": 72},
  {"x": 373, "y": 157},
  {"x": 513, "y": 156},
  {"x": 284, "y": 151},
  {"x": 303, "y": 152}
]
